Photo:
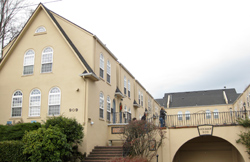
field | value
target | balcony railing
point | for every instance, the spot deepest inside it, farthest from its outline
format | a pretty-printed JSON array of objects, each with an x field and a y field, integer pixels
[
  {"x": 213, "y": 118},
  {"x": 186, "y": 120},
  {"x": 119, "y": 117}
]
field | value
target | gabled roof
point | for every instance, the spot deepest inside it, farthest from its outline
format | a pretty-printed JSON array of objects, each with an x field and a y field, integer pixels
[
  {"x": 198, "y": 98},
  {"x": 60, "y": 29}
]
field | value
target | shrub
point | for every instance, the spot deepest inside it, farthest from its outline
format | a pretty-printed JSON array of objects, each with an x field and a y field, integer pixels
[
  {"x": 12, "y": 151},
  {"x": 68, "y": 126},
  {"x": 46, "y": 145},
  {"x": 143, "y": 139},
  {"x": 16, "y": 132}
]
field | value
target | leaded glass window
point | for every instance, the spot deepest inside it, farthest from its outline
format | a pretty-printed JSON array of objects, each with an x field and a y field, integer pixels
[
  {"x": 28, "y": 63},
  {"x": 54, "y": 101},
  {"x": 16, "y": 106},
  {"x": 47, "y": 60},
  {"x": 35, "y": 103}
]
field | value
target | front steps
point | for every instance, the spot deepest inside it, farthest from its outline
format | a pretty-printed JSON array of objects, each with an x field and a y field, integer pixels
[{"x": 104, "y": 153}]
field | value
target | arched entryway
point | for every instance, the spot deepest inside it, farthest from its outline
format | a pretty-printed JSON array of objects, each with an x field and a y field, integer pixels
[{"x": 208, "y": 149}]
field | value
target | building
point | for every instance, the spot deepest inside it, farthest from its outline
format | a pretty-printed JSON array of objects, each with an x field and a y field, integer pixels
[
  {"x": 55, "y": 67},
  {"x": 202, "y": 125}
]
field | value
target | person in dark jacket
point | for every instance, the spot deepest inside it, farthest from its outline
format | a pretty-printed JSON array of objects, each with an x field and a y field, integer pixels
[
  {"x": 162, "y": 117},
  {"x": 144, "y": 117}
]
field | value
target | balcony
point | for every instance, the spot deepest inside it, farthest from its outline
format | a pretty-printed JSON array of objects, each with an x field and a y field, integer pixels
[
  {"x": 213, "y": 118},
  {"x": 119, "y": 117}
]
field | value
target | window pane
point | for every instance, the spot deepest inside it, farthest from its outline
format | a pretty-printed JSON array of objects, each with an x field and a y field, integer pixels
[
  {"x": 28, "y": 69},
  {"x": 46, "y": 67},
  {"x": 17, "y": 102},
  {"x": 47, "y": 58},
  {"x": 16, "y": 111},
  {"x": 54, "y": 110},
  {"x": 35, "y": 111}
]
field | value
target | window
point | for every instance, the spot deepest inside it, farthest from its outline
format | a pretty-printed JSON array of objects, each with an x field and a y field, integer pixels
[
  {"x": 40, "y": 29},
  {"x": 179, "y": 115},
  {"x": 149, "y": 106},
  {"x": 28, "y": 63},
  {"x": 129, "y": 114},
  {"x": 16, "y": 106},
  {"x": 101, "y": 66},
  {"x": 126, "y": 114},
  {"x": 101, "y": 106},
  {"x": 141, "y": 99},
  {"x": 47, "y": 60},
  {"x": 108, "y": 71},
  {"x": 125, "y": 85},
  {"x": 208, "y": 114},
  {"x": 216, "y": 114},
  {"x": 108, "y": 108},
  {"x": 128, "y": 88},
  {"x": 35, "y": 103},
  {"x": 187, "y": 114},
  {"x": 54, "y": 101}
]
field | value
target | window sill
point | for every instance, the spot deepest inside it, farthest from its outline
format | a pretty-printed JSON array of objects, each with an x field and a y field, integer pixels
[
  {"x": 34, "y": 117},
  {"x": 101, "y": 78},
  {"x": 108, "y": 83},
  {"x": 15, "y": 118},
  {"x": 26, "y": 75},
  {"x": 41, "y": 33},
  {"x": 101, "y": 119}
]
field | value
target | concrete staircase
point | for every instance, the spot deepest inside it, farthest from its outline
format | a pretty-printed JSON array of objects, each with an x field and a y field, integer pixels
[{"x": 104, "y": 153}]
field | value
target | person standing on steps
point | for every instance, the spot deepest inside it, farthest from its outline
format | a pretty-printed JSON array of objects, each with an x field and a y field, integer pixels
[{"x": 162, "y": 117}]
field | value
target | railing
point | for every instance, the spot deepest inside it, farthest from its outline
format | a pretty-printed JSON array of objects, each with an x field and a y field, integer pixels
[
  {"x": 213, "y": 118},
  {"x": 119, "y": 117}
]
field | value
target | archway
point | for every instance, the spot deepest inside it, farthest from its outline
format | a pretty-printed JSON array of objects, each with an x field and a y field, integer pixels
[{"x": 207, "y": 149}]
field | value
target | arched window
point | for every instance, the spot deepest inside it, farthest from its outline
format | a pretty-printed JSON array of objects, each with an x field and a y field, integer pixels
[
  {"x": 179, "y": 115},
  {"x": 28, "y": 63},
  {"x": 40, "y": 29},
  {"x": 128, "y": 88},
  {"x": 101, "y": 105},
  {"x": 47, "y": 60},
  {"x": 17, "y": 102},
  {"x": 208, "y": 114},
  {"x": 126, "y": 114},
  {"x": 187, "y": 114},
  {"x": 101, "y": 66},
  {"x": 108, "y": 108},
  {"x": 125, "y": 85},
  {"x": 129, "y": 115},
  {"x": 139, "y": 97},
  {"x": 216, "y": 114},
  {"x": 54, "y": 101},
  {"x": 35, "y": 103},
  {"x": 108, "y": 71}
]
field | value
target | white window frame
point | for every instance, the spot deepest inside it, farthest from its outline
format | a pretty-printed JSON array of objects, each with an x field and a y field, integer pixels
[
  {"x": 54, "y": 100},
  {"x": 141, "y": 99},
  {"x": 216, "y": 114},
  {"x": 29, "y": 59},
  {"x": 187, "y": 115},
  {"x": 129, "y": 88},
  {"x": 48, "y": 60},
  {"x": 40, "y": 29},
  {"x": 125, "y": 85},
  {"x": 208, "y": 114},
  {"x": 108, "y": 109},
  {"x": 35, "y": 105},
  {"x": 17, "y": 96},
  {"x": 108, "y": 72},
  {"x": 101, "y": 105},
  {"x": 101, "y": 66},
  {"x": 179, "y": 116}
]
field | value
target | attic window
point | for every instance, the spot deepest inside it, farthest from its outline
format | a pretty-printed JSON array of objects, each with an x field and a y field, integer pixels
[{"x": 40, "y": 29}]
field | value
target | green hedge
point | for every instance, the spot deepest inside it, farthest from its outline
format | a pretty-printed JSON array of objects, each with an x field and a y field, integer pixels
[
  {"x": 12, "y": 151},
  {"x": 16, "y": 132}
]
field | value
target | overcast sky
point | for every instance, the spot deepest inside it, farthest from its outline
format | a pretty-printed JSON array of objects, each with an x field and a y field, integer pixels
[{"x": 171, "y": 45}]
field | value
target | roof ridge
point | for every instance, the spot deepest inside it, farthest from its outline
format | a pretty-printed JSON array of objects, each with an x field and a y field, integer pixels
[{"x": 69, "y": 40}]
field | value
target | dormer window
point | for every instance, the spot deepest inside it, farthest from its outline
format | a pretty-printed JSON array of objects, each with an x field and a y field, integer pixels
[{"x": 40, "y": 29}]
